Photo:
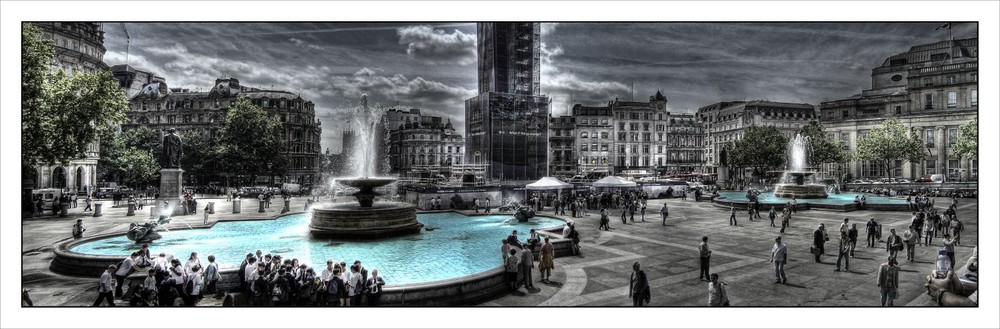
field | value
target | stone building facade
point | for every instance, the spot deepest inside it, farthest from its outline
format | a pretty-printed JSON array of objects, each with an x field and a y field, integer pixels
[
  {"x": 161, "y": 108},
  {"x": 422, "y": 145},
  {"x": 631, "y": 139},
  {"x": 932, "y": 89},
  {"x": 725, "y": 122},
  {"x": 78, "y": 47},
  {"x": 562, "y": 143}
]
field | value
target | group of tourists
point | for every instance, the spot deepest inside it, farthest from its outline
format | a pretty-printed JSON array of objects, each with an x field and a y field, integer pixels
[{"x": 519, "y": 260}]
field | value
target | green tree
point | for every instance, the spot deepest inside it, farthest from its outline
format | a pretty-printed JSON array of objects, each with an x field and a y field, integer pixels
[
  {"x": 115, "y": 145},
  {"x": 138, "y": 167},
  {"x": 761, "y": 148},
  {"x": 36, "y": 53},
  {"x": 250, "y": 140},
  {"x": 823, "y": 149},
  {"x": 889, "y": 142},
  {"x": 967, "y": 145},
  {"x": 200, "y": 156}
]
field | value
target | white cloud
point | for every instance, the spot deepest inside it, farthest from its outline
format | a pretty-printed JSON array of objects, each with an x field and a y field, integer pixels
[
  {"x": 567, "y": 88},
  {"x": 437, "y": 47}
]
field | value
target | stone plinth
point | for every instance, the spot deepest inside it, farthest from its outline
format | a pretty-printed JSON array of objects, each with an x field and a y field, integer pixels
[
  {"x": 171, "y": 183},
  {"x": 351, "y": 221}
]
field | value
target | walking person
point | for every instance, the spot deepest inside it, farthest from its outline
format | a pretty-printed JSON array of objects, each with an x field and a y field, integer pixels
[
  {"x": 642, "y": 212},
  {"x": 779, "y": 256},
  {"x": 732, "y": 215},
  {"x": 843, "y": 249},
  {"x": 605, "y": 221},
  {"x": 717, "y": 292},
  {"x": 771, "y": 214},
  {"x": 910, "y": 238},
  {"x": 704, "y": 256},
  {"x": 785, "y": 216},
  {"x": 871, "y": 229},
  {"x": 547, "y": 260},
  {"x": 893, "y": 244},
  {"x": 624, "y": 214},
  {"x": 124, "y": 270},
  {"x": 638, "y": 288},
  {"x": 664, "y": 212},
  {"x": 888, "y": 280},
  {"x": 89, "y": 201},
  {"x": 852, "y": 238},
  {"x": 106, "y": 287},
  {"x": 928, "y": 233}
]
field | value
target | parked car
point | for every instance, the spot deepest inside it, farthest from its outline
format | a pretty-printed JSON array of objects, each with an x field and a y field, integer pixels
[
  {"x": 901, "y": 181},
  {"x": 938, "y": 178},
  {"x": 105, "y": 192}
]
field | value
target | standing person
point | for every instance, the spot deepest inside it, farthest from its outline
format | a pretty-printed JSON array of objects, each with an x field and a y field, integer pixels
[
  {"x": 852, "y": 237},
  {"x": 357, "y": 286},
  {"x": 191, "y": 262},
  {"x": 786, "y": 215},
  {"x": 193, "y": 287},
  {"x": 106, "y": 287},
  {"x": 504, "y": 249},
  {"x": 717, "y": 292},
  {"x": 212, "y": 275},
  {"x": 575, "y": 236},
  {"x": 487, "y": 205},
  {"x": 732, "y": 215},
  {"x": 149, "y": 289},
  {"x": 78, "y": 229},
  {"x": 771, "y": 214},
  {"x": 663, "y": 213},
  {"x": 704, "y": 256},
  {"x": 928, "y": 233},
  {"x": 888, "y": 280},
  {"x": 910, "y": 238},
  {"x": 328, "y": 296},
  {"x": 374, "y": 287},
  {"x": 511, "y": 266},
  {"x": 871, "y": 229},
  {"x": 527, "y": 264},
  {"x": 624, "y": 214},
  {"x": 819, "y": 239},
  {"x": 242, "y": 273},
  {"x": 177, "y": 278},
  {"x": 956, "y": 230},
  {"x": 546, "y": 260},
  {"x": 605, "y": 221},
  {"x": 638, "y": 288},
  {"x": 779, "y": 256},
  {"x": 843, "y": 249},
  {"x": 893, "y": 244},
  {"x": 949, "y": 249},
  {"x": 795, "y": 204},
  {"x": 205, "y": 214},
  {"x": 642, "y": 212}
]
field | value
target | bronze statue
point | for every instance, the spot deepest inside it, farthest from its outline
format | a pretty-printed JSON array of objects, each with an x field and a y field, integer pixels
[
  {"x": 145, "y": 233},
  {"x": 172, "y": 150}
]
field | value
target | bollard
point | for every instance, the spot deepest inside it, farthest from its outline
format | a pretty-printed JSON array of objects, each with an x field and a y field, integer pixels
[
  {"x": 63, "y": 209},
  {"x": 131, "y": 210},
  {"x": 237, "y": 204},
  {"x": 287, "y": 206},
  {"x": 211, "y": 207},
  {"x": 153, "y": 214},
  {"x": 261, "y": 204},
  {"x": 97, "y": 209}
]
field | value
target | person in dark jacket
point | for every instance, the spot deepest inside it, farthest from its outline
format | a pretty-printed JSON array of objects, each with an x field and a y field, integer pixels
[
  {"x": 852, "y": 238},
  {"x": 819, "y": 239},
  {"x": 638, "y": 288}
]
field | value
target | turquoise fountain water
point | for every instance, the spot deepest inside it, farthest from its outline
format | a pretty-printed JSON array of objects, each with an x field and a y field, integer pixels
[{"x": 456, "y": 246}]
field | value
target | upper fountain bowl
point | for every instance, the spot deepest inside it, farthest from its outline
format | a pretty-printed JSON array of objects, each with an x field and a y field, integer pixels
[{"x": 366, "y": 182}]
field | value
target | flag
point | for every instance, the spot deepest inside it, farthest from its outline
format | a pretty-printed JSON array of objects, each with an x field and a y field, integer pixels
[{"x": 946, "y": 26}]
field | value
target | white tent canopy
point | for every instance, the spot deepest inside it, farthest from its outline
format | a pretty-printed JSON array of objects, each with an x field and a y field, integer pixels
[
  {"x": 548, "y": 183},
  {"x": 614, "y": 181}
]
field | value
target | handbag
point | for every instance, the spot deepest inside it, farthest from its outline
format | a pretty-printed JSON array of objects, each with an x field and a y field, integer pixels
[{"x": 813, "y": 250}]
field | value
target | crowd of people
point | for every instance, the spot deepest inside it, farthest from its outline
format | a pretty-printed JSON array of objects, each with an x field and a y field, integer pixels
[{"x": 265, "y": 280}]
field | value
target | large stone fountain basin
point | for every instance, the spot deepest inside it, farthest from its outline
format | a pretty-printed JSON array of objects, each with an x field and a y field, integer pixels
[
  {"x": 351, "y": 221},
  {"x": 366, "y": 182},
  {"x": 807, "y": 191}
]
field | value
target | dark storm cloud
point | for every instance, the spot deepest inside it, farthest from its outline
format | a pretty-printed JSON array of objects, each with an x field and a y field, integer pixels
[{"x": 430, "y": 65}]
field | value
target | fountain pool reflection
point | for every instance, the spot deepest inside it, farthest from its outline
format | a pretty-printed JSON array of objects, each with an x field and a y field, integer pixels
[{"x": 452, "y": 246}]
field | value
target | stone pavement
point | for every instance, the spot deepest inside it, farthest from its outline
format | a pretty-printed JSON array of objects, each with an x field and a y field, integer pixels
[{"x": 600, "y": 277}]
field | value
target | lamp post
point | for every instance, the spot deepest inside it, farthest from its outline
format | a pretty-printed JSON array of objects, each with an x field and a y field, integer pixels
[{"x": 271, "y": 174}]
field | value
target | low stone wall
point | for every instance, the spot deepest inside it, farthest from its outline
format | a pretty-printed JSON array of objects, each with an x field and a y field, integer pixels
[{"x": 742, "y": 206}]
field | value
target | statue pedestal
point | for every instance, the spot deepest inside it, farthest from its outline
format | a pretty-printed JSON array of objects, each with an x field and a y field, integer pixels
[{"x": 171, "y": 180}]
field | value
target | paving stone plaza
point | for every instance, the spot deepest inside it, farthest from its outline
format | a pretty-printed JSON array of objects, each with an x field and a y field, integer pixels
[{"x": 600, "y": 277}]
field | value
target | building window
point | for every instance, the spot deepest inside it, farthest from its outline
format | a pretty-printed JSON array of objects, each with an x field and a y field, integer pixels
[
  {"x": 645, "y": 126},
  {"x": 899, "y": 110},
  {"x": 645, "y": 149},
  {"x": 928, "y": 101},
  {"x": 621, "y": 126},
  {"x": 583, "y": 147},
  {"x": 845, "y": 113},
  {"x": 974, "y": 97},
  {"x": 930, "y": 167},
  {"x": 604, "y": 135},
  {"x": 635, "y": 148},
  {"x": 954, "y": 168},
  {"x": 974, "y": 77},
  {"x": 633, "y": 126},
  {"x": 604, "y": 147},
  {"x": 930, "y": 138},
  {"x": 952, "y": 136},
  {"x": 583, "y": 134},
  {"x": 927, "y": 82},
  {"x": 659, "y": 149},
  {"x": 951, "y": 79},
  {"x": 952, "y": 99}
]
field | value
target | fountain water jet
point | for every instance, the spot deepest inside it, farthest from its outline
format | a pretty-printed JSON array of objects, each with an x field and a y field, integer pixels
[
  {"x": 366, "y": 219},
  {"x": 797, "y": 181}
]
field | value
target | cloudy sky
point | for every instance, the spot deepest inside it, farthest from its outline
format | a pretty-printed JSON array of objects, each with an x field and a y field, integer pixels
[{"x": 432, "y": 66}]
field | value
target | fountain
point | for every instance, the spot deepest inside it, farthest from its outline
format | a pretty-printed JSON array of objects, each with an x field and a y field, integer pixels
[
  {"x": 796, "y": 181},
  {"x": 366, "y": 219}
]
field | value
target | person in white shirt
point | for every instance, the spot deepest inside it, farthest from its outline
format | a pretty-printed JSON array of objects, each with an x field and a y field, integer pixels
[
  {"x": 326, "y": 277},
  {"x": 357, "y": 286},
  {"x": 177, "y": 279},
  {"x": 779, "y": 255},
  {"x": 249, "y": 273},
  {"x": 128, "y": 266},
  {"x": 105, "y": 290},
  {"x": 191, "y": 262},
  {"x": 345, "y": 276},
  {"x": 195, "y": 282}
]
